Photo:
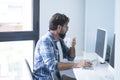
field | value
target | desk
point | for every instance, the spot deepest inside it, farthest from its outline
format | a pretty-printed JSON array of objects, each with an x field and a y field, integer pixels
[{"x": 100, "y": 72}]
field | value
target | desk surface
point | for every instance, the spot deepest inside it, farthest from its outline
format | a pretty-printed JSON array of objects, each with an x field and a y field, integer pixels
[{"x": 100, "y": 72}]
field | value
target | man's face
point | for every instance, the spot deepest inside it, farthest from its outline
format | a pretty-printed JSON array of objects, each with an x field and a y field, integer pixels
[{"x": 63, "y": 31}]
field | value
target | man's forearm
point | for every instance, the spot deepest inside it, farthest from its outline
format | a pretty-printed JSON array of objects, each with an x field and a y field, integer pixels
[
  {"x": 72, "y": 48},
  {"x": 65, "y": 66},
  {"x": 72, "y": 52}
]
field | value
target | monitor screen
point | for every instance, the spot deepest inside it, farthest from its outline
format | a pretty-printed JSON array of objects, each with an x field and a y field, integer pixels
[
  {"x": 101, "y": 44},
  {"x": 111, "y": 60}
]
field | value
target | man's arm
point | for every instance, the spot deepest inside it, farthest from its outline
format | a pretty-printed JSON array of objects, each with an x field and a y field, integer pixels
[
  {"x": 72, "y": 48},
  {"x": 65, "y": 66}
]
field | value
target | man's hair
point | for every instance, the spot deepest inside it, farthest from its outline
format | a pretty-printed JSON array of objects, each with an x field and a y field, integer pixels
[{"x": 57, "y": 19}]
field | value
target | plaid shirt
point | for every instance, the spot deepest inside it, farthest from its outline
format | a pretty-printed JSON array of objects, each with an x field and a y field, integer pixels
[{"x": 46, "y": 57}]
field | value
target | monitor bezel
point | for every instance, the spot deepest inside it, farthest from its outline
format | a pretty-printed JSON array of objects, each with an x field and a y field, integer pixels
[
  {"x": 111, "y": 67},
  {"x": 100, "y": 58}
]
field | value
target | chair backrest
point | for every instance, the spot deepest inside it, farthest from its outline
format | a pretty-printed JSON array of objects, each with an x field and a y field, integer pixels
[{"x": 29, "y": 69}]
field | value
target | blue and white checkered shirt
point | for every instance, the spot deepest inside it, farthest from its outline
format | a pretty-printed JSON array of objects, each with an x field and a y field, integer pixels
[{"x": 46, "y": 57}]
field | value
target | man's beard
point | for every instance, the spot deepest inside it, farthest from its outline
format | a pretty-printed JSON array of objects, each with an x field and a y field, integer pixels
[{"x": 62, "y": 34}]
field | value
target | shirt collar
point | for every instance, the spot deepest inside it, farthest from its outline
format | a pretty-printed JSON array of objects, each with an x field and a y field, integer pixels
[{"x": 51, "y": 36}]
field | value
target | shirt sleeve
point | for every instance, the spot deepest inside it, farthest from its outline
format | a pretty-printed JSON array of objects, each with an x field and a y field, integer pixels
[
  {"x": 47, "y": 51},
  {"x": 65, "y": 49}
]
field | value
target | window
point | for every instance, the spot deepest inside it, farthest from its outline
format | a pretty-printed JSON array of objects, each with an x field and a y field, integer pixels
[
  {"x": 15, "y": 15},
  {"x": 19, "y": 30}
]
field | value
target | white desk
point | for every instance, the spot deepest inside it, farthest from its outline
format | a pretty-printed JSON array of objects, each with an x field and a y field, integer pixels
[{"x": 100, "y": 72}]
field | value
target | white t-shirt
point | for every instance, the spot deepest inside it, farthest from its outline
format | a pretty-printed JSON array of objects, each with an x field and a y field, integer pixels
[{"x": 60, "y": 50}]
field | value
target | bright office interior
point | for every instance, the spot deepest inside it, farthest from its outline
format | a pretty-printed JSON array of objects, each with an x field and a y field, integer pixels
[{"x": 86, "y": 16}]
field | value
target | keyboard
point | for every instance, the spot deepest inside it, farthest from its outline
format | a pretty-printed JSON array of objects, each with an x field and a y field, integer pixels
[{"x": 88, "y": 68}]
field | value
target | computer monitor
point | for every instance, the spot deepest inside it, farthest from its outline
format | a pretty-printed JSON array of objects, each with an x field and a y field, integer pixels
[
  {"x": 101, "y": 45},
  {"x": 112, "y": 57}
]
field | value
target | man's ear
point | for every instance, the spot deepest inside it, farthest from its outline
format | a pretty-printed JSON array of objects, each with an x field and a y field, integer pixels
[{"x": 59, "y": 27}]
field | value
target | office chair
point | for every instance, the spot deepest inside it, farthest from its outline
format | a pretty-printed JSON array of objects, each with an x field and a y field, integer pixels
[{"x": 30, "y": 71}]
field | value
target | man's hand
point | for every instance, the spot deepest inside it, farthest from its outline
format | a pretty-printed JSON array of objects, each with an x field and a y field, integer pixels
[
  {"x": 73, "y": 42},
  {"x": 83, "y": 63}
]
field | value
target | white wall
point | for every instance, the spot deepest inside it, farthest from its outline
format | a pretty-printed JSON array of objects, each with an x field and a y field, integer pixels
[
  {"x": 98, "y": 14},
  {"x": 74, "y": 9},
  {"x": 117, "y": 44}
]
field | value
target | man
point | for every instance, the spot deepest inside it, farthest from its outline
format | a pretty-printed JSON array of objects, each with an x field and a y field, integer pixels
[{"x": 46, "y": 60}]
